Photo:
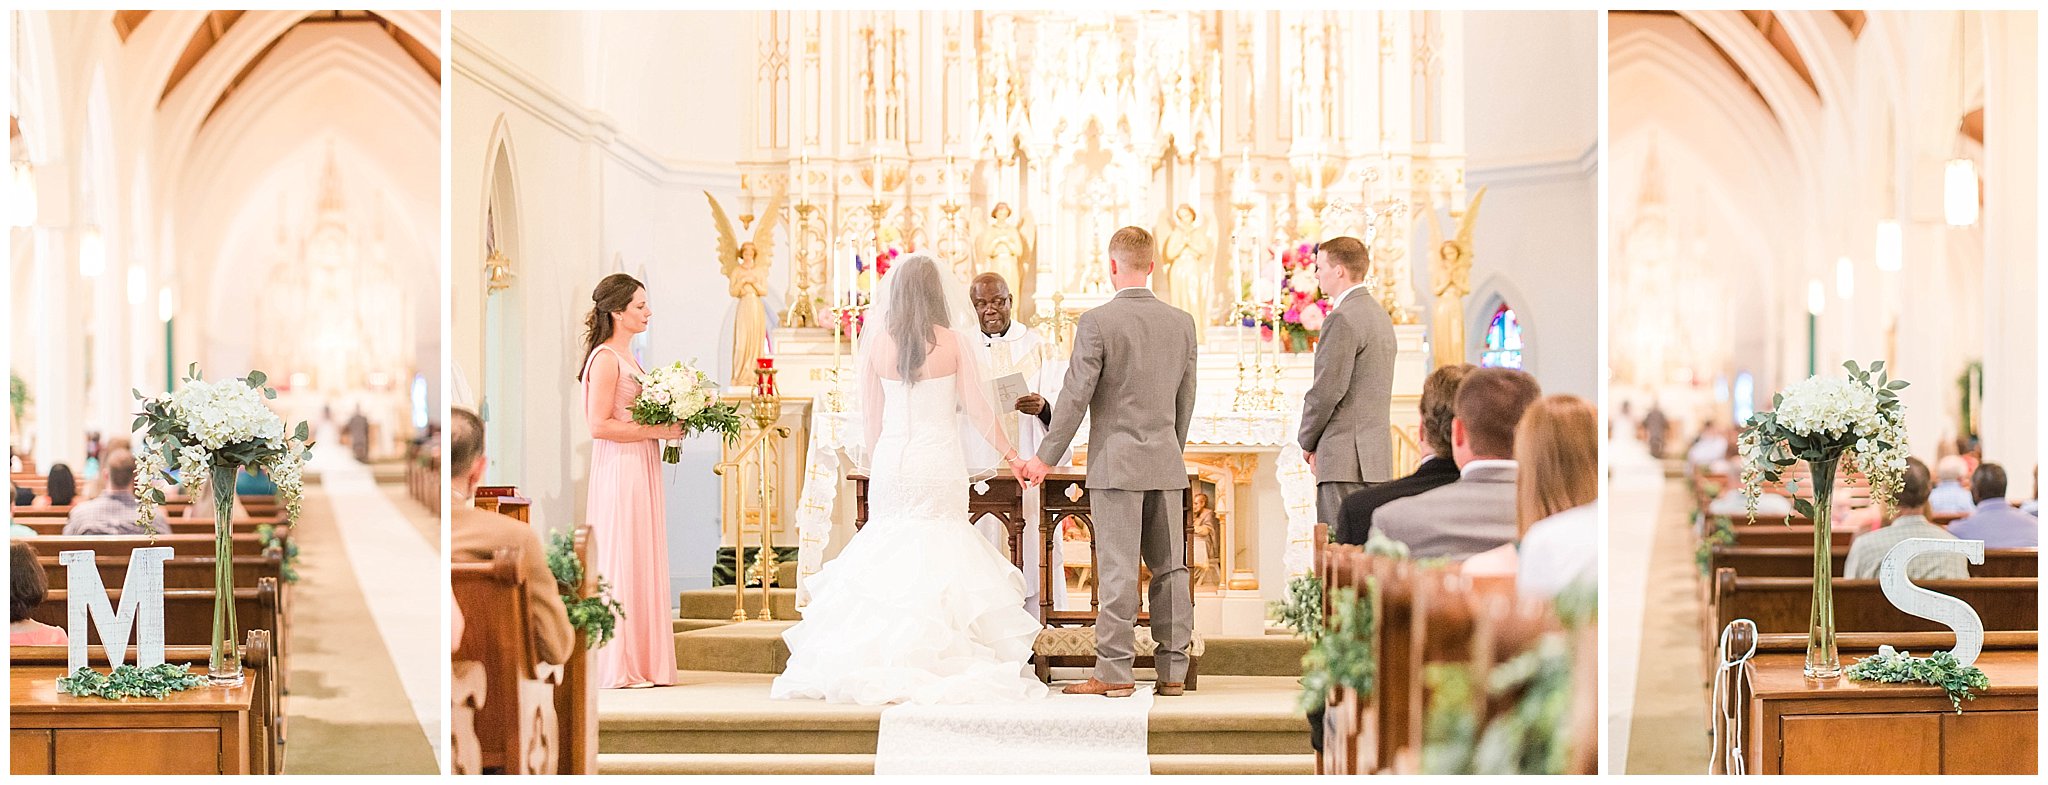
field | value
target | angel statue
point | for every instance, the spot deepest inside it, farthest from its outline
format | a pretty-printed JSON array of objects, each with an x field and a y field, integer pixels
[
  {"x": 1186, "y": 251},
  {"x": 745, "y": 266},
  {"x": 1450, "y": 278}
]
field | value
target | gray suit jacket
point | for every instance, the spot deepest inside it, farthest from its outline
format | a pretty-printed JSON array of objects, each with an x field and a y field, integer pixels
[
  {"x": 1473, "y": 515},
  {"x": 1133, "y": 370},
  {"x": 1344, "y": 418}
]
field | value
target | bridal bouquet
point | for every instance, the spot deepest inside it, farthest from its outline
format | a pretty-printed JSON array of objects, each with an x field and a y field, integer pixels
[
  {"x": 1822, "y": 421},
  {"x": 208, "y": 431},
  {"x": 680, "y": 393}
]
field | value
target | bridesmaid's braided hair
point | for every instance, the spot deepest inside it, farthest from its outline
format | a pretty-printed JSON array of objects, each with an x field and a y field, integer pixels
[{"x": 613, "y": 294}]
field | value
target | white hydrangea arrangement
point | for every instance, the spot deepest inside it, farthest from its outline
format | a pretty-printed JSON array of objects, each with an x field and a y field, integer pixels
[
  {"x": 1824, "y": 419},
  {"x": 680, "y": 393},
  {"x": 207, "y": 428}
]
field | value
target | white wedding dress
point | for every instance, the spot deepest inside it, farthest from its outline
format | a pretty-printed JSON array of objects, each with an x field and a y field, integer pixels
[{"x": 918, "y": 607}]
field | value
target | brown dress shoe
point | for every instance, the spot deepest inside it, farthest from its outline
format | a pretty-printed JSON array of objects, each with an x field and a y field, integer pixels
[
  {"x": 1168, "y": 689},
  {"x": 1095, "y": 686}
]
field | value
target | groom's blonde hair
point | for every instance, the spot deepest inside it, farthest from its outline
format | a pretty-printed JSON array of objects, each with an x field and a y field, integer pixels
[{"x": 1131, "y": 247}]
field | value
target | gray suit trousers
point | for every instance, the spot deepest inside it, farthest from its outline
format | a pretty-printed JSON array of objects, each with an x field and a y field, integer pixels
[
  {"x": 1128, "y": 525},
  {"x": 1330, "y": 499}
]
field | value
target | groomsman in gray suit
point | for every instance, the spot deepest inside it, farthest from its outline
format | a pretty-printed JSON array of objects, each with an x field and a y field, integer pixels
[
  {"x": 1133, "y": 369},
  {"x": 1344, "y": 427}
]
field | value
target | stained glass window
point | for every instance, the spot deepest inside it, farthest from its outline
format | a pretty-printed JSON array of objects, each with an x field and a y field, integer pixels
[{"x": 1503, "y": 340}]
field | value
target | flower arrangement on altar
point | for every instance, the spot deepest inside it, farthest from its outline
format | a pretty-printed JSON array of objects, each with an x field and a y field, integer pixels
[
  {"x": 867, "y": 277},
  {"x": 679, "y": 393},
  {"x": 1297, "y": 309}
]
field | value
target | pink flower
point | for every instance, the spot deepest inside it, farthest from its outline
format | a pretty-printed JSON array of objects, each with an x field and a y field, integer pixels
[
  {"x": 1265, "y": 333},
  {"x": 1312, "y": 319},
  {"x": 1294, "y": 314}
]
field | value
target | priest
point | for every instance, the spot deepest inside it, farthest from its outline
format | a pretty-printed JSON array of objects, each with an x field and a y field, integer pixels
[{"x": 1009, "y": 353}]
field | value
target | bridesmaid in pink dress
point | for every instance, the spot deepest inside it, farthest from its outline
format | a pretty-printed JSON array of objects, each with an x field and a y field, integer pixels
[{"x": 626, "y": 508}]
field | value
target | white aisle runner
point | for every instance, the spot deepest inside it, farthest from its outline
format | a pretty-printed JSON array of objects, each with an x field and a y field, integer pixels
[
  {"x": 401, "y": 576},
  {"x": 1063, "y": 734}
]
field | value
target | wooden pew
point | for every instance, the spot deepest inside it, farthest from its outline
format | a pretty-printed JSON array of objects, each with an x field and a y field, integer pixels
[
  {"x": 35, "y": 729},
  {"x": 517, "y": 730},
  {"x": 188, "y": 614},
  {"x": 465, "y": 698},
  {"x": 180, "y": 572},
  {"x": 184, "y": 544},
  {"x": 1797, "y": 562},
  {"x": 54, "y": 526},
  {"x": 1782, "y": 604},
  {"x": 576, "y": 698},
  {"x": 1772, "y": 535}
]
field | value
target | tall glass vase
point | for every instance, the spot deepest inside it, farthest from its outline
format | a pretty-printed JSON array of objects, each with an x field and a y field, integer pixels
[
  {"x": 224, "y": 665},
  {"x": 1822, "y": 662}
]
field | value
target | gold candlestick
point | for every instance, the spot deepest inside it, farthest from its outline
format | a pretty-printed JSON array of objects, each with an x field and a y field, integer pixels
[{"x": 802, "y": 312}]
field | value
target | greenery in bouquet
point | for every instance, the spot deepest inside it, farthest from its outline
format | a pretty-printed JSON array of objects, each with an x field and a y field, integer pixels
[
  {"x": 1857, "y": 417},
  {"x": 680, "y": 393},
  {"x": 204, "y": 428},
  {"x": 597, "y": 615}
]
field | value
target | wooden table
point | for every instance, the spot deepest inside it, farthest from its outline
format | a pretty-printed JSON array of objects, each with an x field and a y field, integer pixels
[
  {"x": 198, "y": 731},
  {"x": 1841, "y": 726}
]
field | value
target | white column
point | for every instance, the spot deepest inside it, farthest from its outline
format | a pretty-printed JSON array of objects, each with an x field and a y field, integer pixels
[
  {"x": 59, "y": 384},
  {"x": 1923, "y": 336},
  {"x": 2011, "y": 246}
]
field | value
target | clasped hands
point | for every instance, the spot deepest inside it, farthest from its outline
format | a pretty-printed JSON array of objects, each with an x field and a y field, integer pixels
[{"x": 1029, "y": 472}]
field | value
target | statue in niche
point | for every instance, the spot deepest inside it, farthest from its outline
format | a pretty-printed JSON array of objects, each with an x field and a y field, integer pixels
[
  {"x": 1001, "y": 245},
  {"x": 1188, "y": 251},
  {"x": 1450, "y": 279},
  {"x": 745, "y": 266}
]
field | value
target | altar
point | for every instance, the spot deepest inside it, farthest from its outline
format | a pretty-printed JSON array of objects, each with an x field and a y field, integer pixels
[{"x": 1246, "y": 463}]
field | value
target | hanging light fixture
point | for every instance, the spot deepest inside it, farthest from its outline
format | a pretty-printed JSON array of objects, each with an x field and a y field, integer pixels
[
  {"x": 1816, "y": 297},
  {"x": 1845, "y": 278},
  {"x": 163, "y": 304},
  {"x": 92, "y": 252},
  {"x": 1959, "y": 177},
  {"x": 138, "y": 285},
  {"x": 1891, "y": 246},
  {"x": 22, "y": 195}
]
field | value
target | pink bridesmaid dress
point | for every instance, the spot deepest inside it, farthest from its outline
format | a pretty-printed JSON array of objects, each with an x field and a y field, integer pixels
[{"x": 627, "y": 513}]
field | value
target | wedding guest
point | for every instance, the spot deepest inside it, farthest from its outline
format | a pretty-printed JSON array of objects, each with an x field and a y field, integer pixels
[
  {"x": 1996, "y": 521},
  {"x": 626, "y": 507},
  {"x": 113, "y": 512},
  {"x": 1949, "y": 496},
  {"x": 476, "y": 534},
  {"x": 1556, "y": 493},
  {"x": 1867, "y": 550},
  {"x": 1344, "y": 415},
  {"x": 1656, "y": 427},
  {"x": 61, "y": 489},
  {"x": 1009, "y": 348},
  {"x": 201, "y": 508},
  {"x": 29, "y": 588},
  {"x": 22, "y": 497},
  {"x": 1709, "y": 447},
  {"x": 2032, "y": 506},
  {"x": 1439, "y": 393},
  {"x": 1477, "y": 512}
]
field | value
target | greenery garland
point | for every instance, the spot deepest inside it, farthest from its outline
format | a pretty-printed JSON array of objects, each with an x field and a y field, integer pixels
[
  {"x": 1343, "y": 655},
  {"x": 1302, "y": 611},
  {"x": 1534, "y": 735},
  {"x": 1721, "y": 533},
  {"x": 17, "y": 394},
  {"x": 596, "y": 616},
  {"x": 266, "y": 535},
  {"x": 127, "y": 681},
  {"x": 1941, "y": 670}
]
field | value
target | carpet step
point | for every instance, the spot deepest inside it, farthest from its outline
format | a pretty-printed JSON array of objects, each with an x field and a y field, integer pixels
[
  {"x": 716, "y": 603},
  {"x": 757, "y": 647},
  {"x": 865, "y": 764},
  {"x": 729, "y": 714}
]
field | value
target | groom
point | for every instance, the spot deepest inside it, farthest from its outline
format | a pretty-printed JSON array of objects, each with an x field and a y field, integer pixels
[{"x": 1133, "y": 368}]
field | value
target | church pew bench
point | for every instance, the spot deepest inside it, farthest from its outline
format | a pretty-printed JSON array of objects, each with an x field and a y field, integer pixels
[
  {"x": 1797, "y": 562},
  {"x": 1782, "y": 604},
  {"x": 517, "y": 728},
  {"x": 56, "y": 734}
]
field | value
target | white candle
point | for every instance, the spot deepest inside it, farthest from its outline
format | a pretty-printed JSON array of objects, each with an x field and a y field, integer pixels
[
  {"x": 948, "y": 176},
  {"x": 803, "y": 177},
  {"x": 876, "y": 184}
]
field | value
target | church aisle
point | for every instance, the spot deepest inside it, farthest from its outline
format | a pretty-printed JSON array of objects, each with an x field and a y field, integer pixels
[
  {"x": 344, "y": 703},
  {"x": 1668, "y": 732}
]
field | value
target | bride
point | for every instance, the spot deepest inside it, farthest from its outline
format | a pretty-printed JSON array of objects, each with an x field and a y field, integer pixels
[{"x": 919, "y": 607}]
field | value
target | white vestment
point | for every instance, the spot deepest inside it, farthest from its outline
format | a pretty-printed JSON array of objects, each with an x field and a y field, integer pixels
[{"x": 1019, "y": 350}]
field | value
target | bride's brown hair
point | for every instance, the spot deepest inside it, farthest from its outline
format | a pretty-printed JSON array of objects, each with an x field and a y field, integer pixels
[{"x": 612, "y": 295}]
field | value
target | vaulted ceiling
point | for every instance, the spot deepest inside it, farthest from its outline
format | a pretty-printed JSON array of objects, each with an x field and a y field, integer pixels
[{"x": 217, "y": 25}]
